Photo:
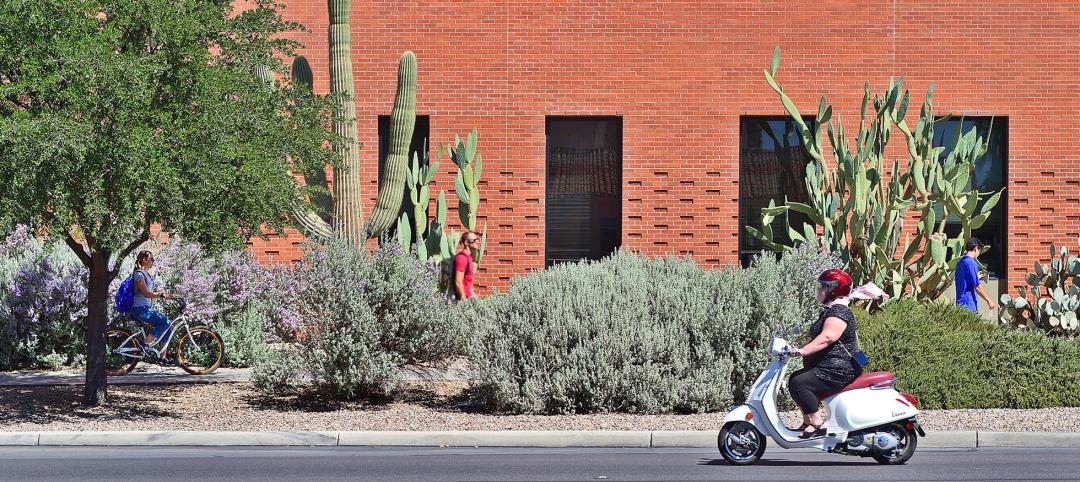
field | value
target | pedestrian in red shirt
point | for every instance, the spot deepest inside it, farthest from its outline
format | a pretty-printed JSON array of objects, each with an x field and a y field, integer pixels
[{"x": 463, "y": 265}]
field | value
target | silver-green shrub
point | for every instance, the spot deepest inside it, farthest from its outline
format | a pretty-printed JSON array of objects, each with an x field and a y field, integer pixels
[
  {"x": 362, "y": 316},
  {"x": 633, "y": 334}
]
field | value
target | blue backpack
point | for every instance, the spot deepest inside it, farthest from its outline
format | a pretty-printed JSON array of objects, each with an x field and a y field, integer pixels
[{"x": 125, "y": 296}]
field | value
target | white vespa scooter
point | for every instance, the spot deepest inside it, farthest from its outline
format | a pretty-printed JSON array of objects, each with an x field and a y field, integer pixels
[{"x": 867, "y": 418}]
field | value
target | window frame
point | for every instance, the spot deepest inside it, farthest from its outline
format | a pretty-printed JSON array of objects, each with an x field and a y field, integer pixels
[
  {"x": 810, "y": 121},
  {"x": 618, "y": 215}
]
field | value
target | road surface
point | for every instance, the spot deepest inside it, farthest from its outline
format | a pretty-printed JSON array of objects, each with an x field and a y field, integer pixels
[{"x": 235, "y": 464}]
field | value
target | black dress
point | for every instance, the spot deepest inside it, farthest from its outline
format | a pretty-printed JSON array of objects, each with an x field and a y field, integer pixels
[{"x": 834, "y": 365}]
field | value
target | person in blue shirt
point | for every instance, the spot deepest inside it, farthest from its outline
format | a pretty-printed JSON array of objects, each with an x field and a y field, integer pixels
[
  {"x": 142, "y": 308},
  {"x": 967, "y": 278}
]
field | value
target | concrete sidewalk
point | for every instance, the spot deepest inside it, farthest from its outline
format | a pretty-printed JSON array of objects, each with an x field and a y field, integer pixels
[
  {"x": 156, "y": 375},
  {"x": 538, "y": 439}
]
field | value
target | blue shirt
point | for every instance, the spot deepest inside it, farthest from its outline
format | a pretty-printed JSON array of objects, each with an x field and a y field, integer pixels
[
  {"x": 967, "y": 278},
  {"x": 141, "y": 300}
]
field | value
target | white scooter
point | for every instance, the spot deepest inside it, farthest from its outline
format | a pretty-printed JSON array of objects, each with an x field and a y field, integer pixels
[{"x": 867, "y": 418}]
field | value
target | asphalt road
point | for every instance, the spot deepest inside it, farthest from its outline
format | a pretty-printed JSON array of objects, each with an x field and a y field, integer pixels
[{"x": 341, "y": 463}]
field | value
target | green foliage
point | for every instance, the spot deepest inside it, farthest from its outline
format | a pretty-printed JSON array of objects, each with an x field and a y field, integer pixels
[
  {"x": 103, "y": 120},
  {"x": 1055, "y": 297},
  {"x": 282, "y": 371},
  {"x": 244, "y": 336},
  {"x": 861, "y": 208},
  {"x": 363, "y": 316},
  {"x": 948, "y": 357},
  {"x": 633, "y": 334}
]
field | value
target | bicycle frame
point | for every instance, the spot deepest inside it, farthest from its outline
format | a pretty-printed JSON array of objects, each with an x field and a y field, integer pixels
[{"x": 137, "y": 353}]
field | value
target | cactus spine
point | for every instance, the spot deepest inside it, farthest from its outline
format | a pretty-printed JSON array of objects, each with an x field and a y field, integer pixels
[{"x": 402, "y": 122}]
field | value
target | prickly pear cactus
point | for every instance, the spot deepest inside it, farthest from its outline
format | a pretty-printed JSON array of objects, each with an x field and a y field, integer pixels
[
  {"x": 861, "y": 205},
  {"x": 1055, "y": 296},
  {"x": 467, "y": 185}
]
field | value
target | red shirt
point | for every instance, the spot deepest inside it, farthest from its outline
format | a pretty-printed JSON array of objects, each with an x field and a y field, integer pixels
[{"x": 463, "y": 264}]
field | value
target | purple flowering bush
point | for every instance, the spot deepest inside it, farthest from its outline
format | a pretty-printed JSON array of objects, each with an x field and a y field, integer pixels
[
  {"x": 225, "y": 291},
  {"x": 43, "y": 299},
  {"x": 361, "y": 315},
  {"x": 43, "y": 303}
]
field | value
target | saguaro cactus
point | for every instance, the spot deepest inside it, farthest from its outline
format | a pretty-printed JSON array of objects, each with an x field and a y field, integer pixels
[
  {"x": 348, "y": 215},
  {"x": 402, "y": 121}
]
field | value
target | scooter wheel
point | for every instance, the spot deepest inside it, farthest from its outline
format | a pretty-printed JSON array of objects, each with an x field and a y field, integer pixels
[
  {"x": 904, "y": 450},
  {"x": 741, "y": 443}
]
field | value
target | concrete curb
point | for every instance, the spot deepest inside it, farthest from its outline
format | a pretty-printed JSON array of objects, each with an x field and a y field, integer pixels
[
  {"x": 509, "y": 438},
  {"x": 545, "y": 439},
  {"x": 1030, "y": 439}
]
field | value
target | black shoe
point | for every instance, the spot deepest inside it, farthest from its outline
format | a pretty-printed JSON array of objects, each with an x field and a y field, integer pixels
[{"x": 818, "y": 432}]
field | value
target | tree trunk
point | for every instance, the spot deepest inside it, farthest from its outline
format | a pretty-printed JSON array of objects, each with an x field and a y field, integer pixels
[{"x": 95, "y": 390}]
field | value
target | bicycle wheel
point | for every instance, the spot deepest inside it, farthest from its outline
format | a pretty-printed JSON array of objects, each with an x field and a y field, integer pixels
[
  {"x": 120, "y": 363},
  {"x": 200, "y": 351}
]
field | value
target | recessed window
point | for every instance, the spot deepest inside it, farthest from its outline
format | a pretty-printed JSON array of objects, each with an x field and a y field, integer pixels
[
  {"x": 990, "y": 176},
  {"x": 420, "y": 140},
  {"x": 583, "y": 209},
  {"x": 772, "y": 166}
]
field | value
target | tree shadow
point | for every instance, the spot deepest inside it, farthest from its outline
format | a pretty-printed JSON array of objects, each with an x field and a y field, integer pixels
[
  {"x": 46, "y": 405},
  {"x": 311, "y": 400}
]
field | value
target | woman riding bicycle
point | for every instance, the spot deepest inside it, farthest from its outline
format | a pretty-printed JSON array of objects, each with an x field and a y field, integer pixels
[{"x": 142, "y": 308}]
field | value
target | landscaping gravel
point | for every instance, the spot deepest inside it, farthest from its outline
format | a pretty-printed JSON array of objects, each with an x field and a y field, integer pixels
[{"x": 239, "y": 407}]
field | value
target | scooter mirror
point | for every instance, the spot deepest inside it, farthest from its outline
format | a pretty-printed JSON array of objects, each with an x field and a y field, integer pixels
[{"x": 795, "y": 330}]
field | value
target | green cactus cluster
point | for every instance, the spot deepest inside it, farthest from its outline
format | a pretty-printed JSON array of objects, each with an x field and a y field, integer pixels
[
  {"x": 861, "y": 205},
  {"x": 402, "y": 178},
  {"x": 429, "y": 238},
  {"x": 1055, "y": 296}
]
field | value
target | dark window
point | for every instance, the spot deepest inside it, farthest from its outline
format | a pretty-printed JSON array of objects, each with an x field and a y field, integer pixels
[
  {"x": 420, "y": 140},
  {"x": 990, "y": 176},
  {"x": 583, "y": 211},
  {"x": 772, "y": 166}
]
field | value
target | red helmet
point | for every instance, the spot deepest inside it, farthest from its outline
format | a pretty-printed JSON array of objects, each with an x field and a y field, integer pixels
[{"x": 837, "y": 283}]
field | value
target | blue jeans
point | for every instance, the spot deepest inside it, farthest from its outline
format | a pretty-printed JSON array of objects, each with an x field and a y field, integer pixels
[{"x": 159, "y": 323}]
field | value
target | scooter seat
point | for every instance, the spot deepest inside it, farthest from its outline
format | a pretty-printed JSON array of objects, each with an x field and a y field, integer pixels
[{"x": 865, "y": 380}]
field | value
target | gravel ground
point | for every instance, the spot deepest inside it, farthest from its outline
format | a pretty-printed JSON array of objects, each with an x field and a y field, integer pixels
[{"x": 239, "y": 407}]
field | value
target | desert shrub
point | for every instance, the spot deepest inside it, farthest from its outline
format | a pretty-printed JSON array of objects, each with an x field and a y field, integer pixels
[
  {"x": 244, "y": 335},
  {"x": 43, "y": 303},
  {"x": 282, "y": 371},
  {"x": 362, "y": 315},
  {"x": 633, "y": 334},
  {"x": 948, "y": 357}
]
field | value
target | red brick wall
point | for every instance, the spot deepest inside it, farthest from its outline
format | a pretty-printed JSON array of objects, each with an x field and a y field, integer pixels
[{"x": 680, "y": 73}]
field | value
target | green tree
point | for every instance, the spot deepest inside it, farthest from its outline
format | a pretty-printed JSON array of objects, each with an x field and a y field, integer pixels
[{"x": 119, "y": 114}]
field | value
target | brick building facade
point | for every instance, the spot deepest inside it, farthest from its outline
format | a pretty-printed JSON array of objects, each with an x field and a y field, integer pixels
[{"x": 677, "y": 83}]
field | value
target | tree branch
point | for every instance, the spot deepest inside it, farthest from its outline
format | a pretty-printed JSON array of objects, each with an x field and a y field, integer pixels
[
  {"x": 77, "y": 248},
  {"x": 127, "y": 250}
]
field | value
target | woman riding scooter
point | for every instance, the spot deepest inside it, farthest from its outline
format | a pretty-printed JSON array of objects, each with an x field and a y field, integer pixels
[{"x": 829, "y": 363}]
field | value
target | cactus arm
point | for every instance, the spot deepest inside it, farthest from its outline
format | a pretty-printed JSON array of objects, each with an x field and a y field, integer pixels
[
  {"x": 309, "y": 223},
  {"x": 402, "y": 123}
]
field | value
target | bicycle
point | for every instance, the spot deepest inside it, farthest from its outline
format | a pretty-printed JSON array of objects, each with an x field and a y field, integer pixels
[{"x": 199, "y": 350}]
